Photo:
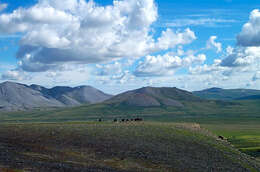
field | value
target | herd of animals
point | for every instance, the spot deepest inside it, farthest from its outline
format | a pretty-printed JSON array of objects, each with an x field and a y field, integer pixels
[
  {"x": 141, "y": 119},
  {"x": 123, "y": 120}
]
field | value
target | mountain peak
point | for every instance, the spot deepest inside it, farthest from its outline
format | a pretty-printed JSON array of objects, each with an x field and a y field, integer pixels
[
  {"x": 10, "y": 83},
  {"x": 153, "y": 96},
  {"x": 15, "y": 96}
]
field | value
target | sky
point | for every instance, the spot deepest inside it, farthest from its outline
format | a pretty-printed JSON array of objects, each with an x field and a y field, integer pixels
[{"x": 127, "y": 44}]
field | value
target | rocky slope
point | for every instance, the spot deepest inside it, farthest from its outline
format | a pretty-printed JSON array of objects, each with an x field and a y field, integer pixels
[{"x": 15, "y": 96}]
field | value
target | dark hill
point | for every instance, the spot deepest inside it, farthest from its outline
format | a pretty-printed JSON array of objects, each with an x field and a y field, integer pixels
[
  {"x": 226, "y": 94},
  {"x": 254, "y": 97},
  {"x": 152, "y": 96}
]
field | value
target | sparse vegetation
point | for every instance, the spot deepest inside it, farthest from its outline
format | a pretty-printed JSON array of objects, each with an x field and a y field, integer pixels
[{"x": 108, "y": 146}]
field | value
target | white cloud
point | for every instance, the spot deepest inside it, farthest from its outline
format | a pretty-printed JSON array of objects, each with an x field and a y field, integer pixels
[
  {"x": 3, "y": 6},
  {"x": 75, "y": 31},
  {"x": 206, "y": 22},
  {"x": 211, "y": 43},
  {"x": 13, "y": 75},
  {"x": 158, "y": 66},
  {"x": 242, "y": 56},
  {"x": 229, "y": 50},
  {"x": 109, "y": 69},
  {"x": 256, "y": 76},
  {"x": 68, "y": 75},
  {"x": 250, "y": 34},
  {"x": 208, "y": 69},
  {"x": 170, "y": 39},
  {"x": 162, "y": 65}
]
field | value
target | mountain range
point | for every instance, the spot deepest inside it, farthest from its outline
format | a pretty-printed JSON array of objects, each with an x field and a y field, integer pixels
[
  {"x": 15, "y": 96},
  {"x": 228, "y": 94}
]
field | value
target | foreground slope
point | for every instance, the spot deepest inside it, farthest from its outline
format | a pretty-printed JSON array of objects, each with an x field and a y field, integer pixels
[
  {"x": 152, "y": 97},
  {"x": 227, "y": 94},
  {"x": 125, "y": 147}
]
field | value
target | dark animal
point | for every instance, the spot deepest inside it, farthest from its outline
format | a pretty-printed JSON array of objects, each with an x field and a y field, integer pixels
[
  {"x": 127, "y": 120},
  {"x": 138, "y": 119},
  {"x": 122, "y": 120},
  {"x": 115, "y": 120},
  {"x": 99, "y": 120},
  {"x": 132, "y": 119},
  {"x": 221, "y": 137}
]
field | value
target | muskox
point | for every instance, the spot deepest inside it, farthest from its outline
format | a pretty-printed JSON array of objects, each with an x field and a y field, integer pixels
[
  {"x": 115, "y": 120},
  {"x": 138, "y": 119},
  {"x": 221, "y": 137},
  {"x": 99, "y": 120}
]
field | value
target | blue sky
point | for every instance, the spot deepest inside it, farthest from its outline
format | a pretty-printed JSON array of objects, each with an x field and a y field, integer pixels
[{"x": 121, "y": 45}]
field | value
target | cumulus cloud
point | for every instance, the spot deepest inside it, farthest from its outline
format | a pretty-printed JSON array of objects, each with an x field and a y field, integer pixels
[
  {"x": 170, "y": 39},
  {"x": 165, "y": 64},
  {"x": 242, "y": 56},
  {"x": 75, "y": 31},
  {"x": 250, "y": 34},
  {"x": 125, "y": 77},
  {"x": 109, "y": 69},
  {"x": 208, "y": 69},
  {"x": 211, "y": 43},
  {"x": 247, "y": 53},
  {"x": 229, "y": 50},
  {"x": 3, "y": 6}
]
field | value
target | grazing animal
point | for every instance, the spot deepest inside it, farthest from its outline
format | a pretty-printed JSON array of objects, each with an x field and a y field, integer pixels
[
  {"x": 138, "y": 119},
  {"x": 99, "y": 120},
  {"x": 123, "y": 120},
  {"x": 115, "y": 120},
  {"x": 221, "y": 137},
  {"x": 127, "y": 120}
]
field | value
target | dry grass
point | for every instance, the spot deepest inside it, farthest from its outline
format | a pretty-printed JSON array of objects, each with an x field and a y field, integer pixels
[{"x": 144, "y": 146}]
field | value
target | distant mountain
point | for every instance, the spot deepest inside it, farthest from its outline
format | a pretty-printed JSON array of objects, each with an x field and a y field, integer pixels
[
  {"x": 254, "y": 97},
  {"x": 227, "y": 94},
  {"x": 78, "y": 95},
  {"x": 151, "y": 96},
  {"x": 15, "y": 96}
]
